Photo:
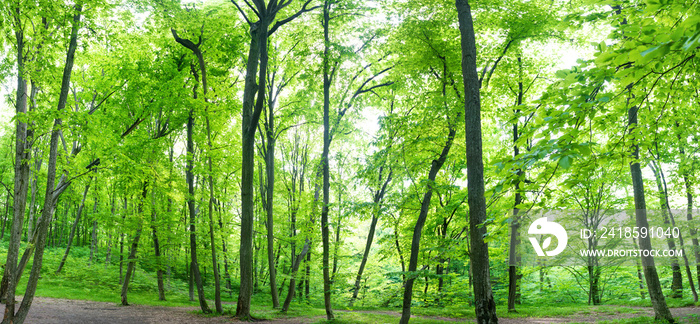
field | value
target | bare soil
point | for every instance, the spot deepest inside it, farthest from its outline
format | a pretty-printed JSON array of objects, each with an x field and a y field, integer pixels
[{"x": 67, "y": 311}]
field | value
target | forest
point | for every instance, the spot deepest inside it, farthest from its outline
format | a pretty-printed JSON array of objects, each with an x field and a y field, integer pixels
[{"x": 348, "y": 161}]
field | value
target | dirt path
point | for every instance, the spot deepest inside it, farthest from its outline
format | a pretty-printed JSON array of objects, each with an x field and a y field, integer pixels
[{"x": 66, "y": 311}]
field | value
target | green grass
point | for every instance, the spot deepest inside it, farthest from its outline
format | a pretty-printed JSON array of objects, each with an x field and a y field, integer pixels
[{"x": 98, "y": 282}]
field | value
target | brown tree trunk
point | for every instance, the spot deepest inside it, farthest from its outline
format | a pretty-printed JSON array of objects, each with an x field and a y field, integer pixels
[
  {"x": 247, "y": 171},
  {"x": 21, "y": 178},
  {"x": 52, "y": 194},
  {"x": 418, "y": 229},
  {"x": 378, "y": 197},
  {"x": 156, "y": 250},
  {"x": 513, "y": 275},
  {"x": 73, "y": 228},
  {"x": 324, "y": 162},
  {"x": 93, "y": 237},
  {"x": 680, "y": 235},
  {"x": 483, "y": 296},
  {"x": 677, "y": 282},
  {"x": 658, "y": 301},
  {"x": 132, "y": 252}
]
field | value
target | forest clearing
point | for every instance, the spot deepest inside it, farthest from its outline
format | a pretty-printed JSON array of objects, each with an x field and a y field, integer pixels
[{"x": 350, "y": 161}]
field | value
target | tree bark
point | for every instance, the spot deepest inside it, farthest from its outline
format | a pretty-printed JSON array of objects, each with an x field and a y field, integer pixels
[
  {"x": 156, "y": 250},
  {"x": 324, "y": 162},
  {"x": 21, "y": 178},
  {"x": 378, "y": 197},
  {"x": 677, "y": 281},
  {"x": 73, "y": 228},
  {"x": 52, "y": 194},
  {"x": 132, "y": 252},
  {"x": 658, "y": 301},
  {"x": 680, "y": 235},
  {"x": 435, "y": 166},
  {"x": 483, "y": 296},
  {"x": 247, "y": 172},
  {"x": 515, "y": 220}
]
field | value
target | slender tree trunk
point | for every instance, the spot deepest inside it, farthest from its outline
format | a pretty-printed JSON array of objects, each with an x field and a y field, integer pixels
[
  {"x": 677, "y": 282},
  {"x": 515, "y": 221},
  {"x": 132, "y": 252},
  {"x": 680, "y": 235},
  {"x": 73, "y": 228},
  {"x": 194, "y": 264},
  {"x": 483, "y": 296},
  {"x": 293, "y": 275},
  {"x": 156, "y": 250},
  {"x": 52, "y": 194},
  {"x": 658, "y": 301},
  {"x": 378, "y": 197},
  {"x": 270, "y": 175},
  {"x": 435, "y": 166},
  {"x": 93, "y": 237},
  {"x": 248, "y": 128},
  {"x": 21, "y": 178},
  {"x": 689, "y": 212},
  {"x": 324, "y": 163}
]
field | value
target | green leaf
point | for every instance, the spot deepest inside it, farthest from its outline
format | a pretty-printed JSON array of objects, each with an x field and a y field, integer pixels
[{"x": 565, "y": 162}]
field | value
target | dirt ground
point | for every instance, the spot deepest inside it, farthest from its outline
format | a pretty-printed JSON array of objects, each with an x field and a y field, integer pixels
[{"x": 66, "y": 311}]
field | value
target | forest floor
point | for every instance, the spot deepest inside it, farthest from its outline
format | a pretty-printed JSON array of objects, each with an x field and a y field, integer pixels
[{"x": 52, "y": 310}]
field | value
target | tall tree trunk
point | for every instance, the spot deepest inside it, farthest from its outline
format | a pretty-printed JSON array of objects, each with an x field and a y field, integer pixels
[
  {"x": 658, "y": 301},
  {"x": 245, "y": 291},
  {"x": 680, "y": 235},
  {"x": 483, "y": 296},
  {"x": 73, "y": 228},
  {"x": 134, "y": 246},
  {"x": 268, "y": 201},
  {"x": 156, "y": 250},
  {"x": 293, "y": 275},
  {"x": 93, "y": 237},
  {"x": 195, "y": 48},
  {"x": 52, "y": 194},
  {"x": 21, "y": 178},
  {"x": 515, "y": 220},
  {"x": 689, "y": 211},
  {"x": 378, "y": 197},
  {"x": 435, "y": 166},
  {"x": 324, "y": 162},
  {"x": 677, "y": 282},
  {"x": 194, "y": 264}
]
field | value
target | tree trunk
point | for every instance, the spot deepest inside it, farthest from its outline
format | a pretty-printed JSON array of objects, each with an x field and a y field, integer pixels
[
  {"x": 21, "y": 178},
  {"x": 73, "y": 228},
  {"x": 483, "y": 296},
  {"x": 680, "y": 235},
  {"x": 293, "y": 275},
  {"x": 418, "y": 229},
  {"x": 132, "y": 252},
  {"x": 658, "y": 301},
  {"x": 270, "y": 175},
  {"x": 93, "y": 237},
  {"x": 52, "y": 194},
  {"x": 378, "y": 197},
  {"x": 156, "y": 250},
  {"x": 324, "y": 163},
  {"x": 248, "y": 128},
  {"x": 193, "y": 215},
  {"x": 677, "y": 282},
  {"x": 515, "y": 220},
  {"x": 689, "y": 212},
  {"x": 203, "y": 70}
]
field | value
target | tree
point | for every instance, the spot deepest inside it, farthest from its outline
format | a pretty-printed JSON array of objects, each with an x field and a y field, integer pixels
[
  {"x": 252, "y": 108},
  {"x": 483, "y": 296}
]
